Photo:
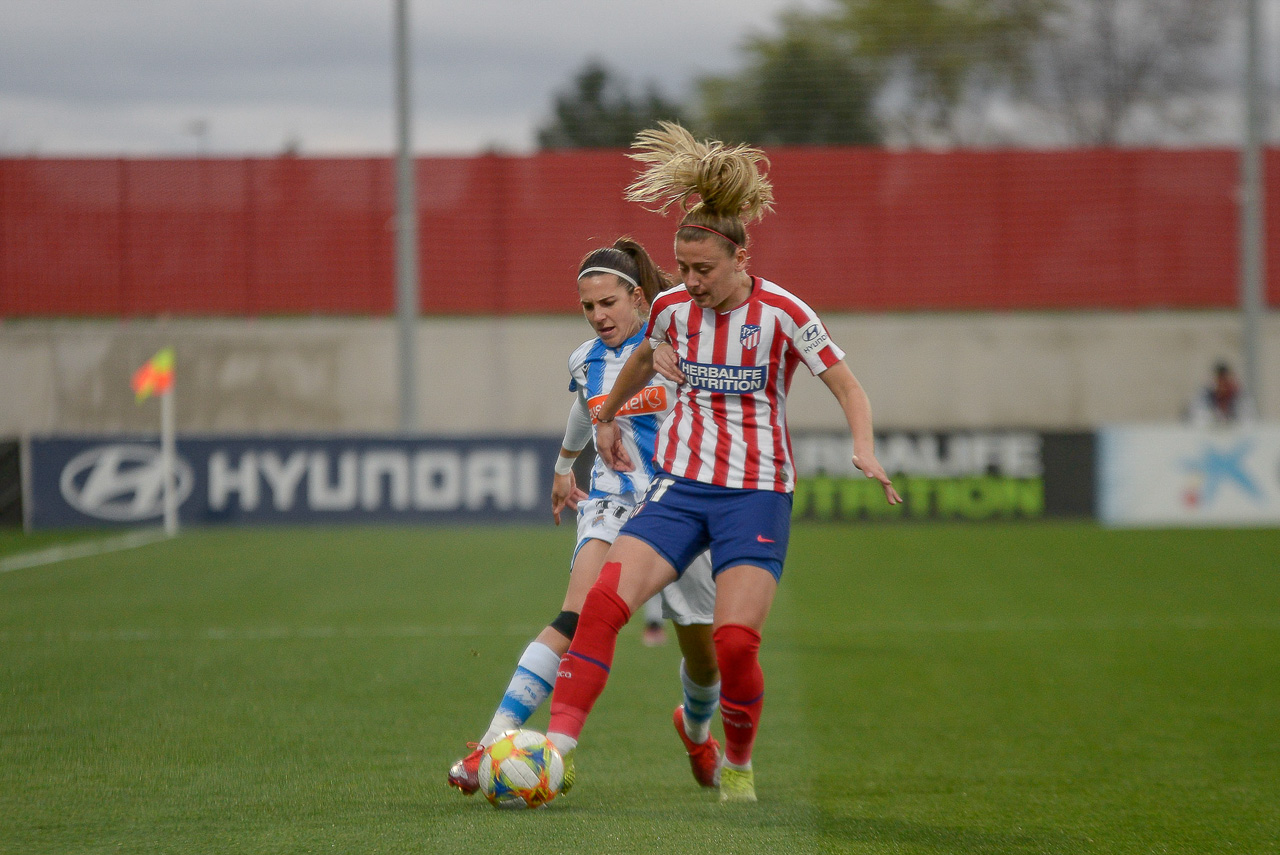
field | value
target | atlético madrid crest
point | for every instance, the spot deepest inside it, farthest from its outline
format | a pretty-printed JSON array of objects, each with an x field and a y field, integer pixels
[{"x": 750, "y": 336}]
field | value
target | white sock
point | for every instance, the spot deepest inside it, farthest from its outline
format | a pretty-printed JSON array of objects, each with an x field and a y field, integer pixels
[
  {"x": 530, "y": 685},
  {"x": 743, "y": 767},
  {"x": 700, "y": 704},
  {"x": 563, "y": 742}
]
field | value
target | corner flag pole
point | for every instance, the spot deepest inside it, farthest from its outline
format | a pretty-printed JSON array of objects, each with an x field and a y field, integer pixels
[{"x": 168, "y": 456}]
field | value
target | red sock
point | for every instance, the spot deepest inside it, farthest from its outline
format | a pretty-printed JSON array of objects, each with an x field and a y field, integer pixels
[
  {"x": 741, "y": 689},
  {"x": 584, "y": 670}
]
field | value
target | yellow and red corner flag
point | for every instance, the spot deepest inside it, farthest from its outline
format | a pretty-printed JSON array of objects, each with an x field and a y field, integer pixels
[{"x": 155, "y": 377}]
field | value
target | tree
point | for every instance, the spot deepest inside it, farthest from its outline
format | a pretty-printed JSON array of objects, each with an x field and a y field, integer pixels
[
  {"x": 804, "y": 87},
  {"x": 937, "y": 59},
  {"x": 598, "y": 111},
  {"x": 1115, "y": 71},
  {"x": 1081, "y": 72}
]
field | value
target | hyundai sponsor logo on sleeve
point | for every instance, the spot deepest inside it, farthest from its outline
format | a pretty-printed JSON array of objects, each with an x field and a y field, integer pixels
[{"x": 813, "y": 337}]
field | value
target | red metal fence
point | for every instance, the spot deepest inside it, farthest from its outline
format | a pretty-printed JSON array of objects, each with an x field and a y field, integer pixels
[{"x": 855, "y": 230}]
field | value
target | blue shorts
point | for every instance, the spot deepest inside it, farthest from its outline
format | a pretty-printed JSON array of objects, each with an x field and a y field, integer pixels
[{"x": 680, "y": 518}]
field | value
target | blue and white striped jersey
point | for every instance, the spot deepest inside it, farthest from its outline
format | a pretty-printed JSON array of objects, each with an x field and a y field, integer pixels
[{"x": 593, "y": 368}]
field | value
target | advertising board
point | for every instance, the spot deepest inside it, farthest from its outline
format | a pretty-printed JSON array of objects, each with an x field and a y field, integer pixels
[
  {"x": 1180, "y": 475},
  {"x": 948, "y": 475},
  {"x": 10, "y": 484},
  {"x": 114, "y": 480}
]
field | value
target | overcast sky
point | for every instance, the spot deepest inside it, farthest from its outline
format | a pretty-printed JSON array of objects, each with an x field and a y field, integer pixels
[{"x": 141, "y": 77}]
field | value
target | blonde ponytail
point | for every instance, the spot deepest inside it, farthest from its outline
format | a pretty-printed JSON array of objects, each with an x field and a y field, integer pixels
[{"x": 725, "y": 179}]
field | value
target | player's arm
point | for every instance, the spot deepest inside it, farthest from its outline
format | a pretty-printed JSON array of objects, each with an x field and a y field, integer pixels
[
  {"x": 667, "y": 363},
  {"x": 565, "y": 492},
  {"x": 857, "y": 412},
  {"x": 633, "y": 377}
]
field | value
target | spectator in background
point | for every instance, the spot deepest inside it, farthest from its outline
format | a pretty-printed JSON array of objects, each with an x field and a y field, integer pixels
[{"x": 1222, "y": 401}]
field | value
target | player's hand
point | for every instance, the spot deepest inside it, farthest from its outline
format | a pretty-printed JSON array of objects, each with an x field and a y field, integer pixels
[
  {"x": 872, "y": 469},
  {"x": 666, "y": 363},
  {"x": 610, "y": 448},
  {"x": 564, "y": 494}
]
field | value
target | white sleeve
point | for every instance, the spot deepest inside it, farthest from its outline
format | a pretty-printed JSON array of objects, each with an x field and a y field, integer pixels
[{"x": 578, "y": 431}]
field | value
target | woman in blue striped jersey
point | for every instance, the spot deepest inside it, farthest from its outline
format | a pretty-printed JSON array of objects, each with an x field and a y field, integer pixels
[{"x": 616, "y": 286}]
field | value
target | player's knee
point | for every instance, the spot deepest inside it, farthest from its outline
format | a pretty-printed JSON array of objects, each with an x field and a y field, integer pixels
[
  {"x": 603, "y": 602},
  {"x": 566, "y": 623},
  {"x": 737, "y": 647}
]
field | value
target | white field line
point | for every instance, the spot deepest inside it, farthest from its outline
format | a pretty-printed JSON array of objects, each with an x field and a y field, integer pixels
[
  {"x": 1203, "y": 623},
  {"x": 1049, "y": 624},
  {"x": 268, "y": 633},
  {"x": 57, "y": 554}
]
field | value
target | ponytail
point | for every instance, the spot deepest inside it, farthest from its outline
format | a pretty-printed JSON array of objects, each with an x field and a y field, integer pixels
[
  {"x": 631, "y": 263},
  {"x": 727, "y": 181}
]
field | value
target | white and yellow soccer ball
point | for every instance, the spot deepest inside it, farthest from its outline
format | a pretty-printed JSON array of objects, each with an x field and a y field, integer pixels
[{"x": 521, "y": 770}]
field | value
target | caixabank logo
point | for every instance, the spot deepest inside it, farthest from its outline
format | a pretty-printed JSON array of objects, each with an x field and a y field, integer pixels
[
  {"x": 122, "y": 482},
  {"x": 1218, "y": 470},
  {"x": 1190, "y": 475}
]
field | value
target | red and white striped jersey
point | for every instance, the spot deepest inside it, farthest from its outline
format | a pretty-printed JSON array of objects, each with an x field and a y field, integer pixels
[{"x": 729, "y": 424}]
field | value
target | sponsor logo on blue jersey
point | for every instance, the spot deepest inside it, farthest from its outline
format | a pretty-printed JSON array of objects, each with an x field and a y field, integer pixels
[{"x": 730, "y": 379}]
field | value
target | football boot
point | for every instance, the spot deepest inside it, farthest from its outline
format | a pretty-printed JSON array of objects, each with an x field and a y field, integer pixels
[
  {"x": 704, "y": 757},
  {"x": 737, "y": 785},
  {"x": 465, "y": 774}
]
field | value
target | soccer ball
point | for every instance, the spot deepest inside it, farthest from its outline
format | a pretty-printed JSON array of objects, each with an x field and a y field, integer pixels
[{"x": 521, "y": 770}]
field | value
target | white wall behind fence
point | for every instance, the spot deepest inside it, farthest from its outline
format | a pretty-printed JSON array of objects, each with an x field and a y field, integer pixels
[{"x": 507, "y": 375}]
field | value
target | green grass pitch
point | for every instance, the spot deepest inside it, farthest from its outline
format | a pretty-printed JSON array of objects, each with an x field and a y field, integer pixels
[{"x": 1039, "y": 688}]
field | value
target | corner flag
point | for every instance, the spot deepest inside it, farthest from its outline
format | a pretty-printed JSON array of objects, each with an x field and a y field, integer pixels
[{"x": 155, "y": 377}]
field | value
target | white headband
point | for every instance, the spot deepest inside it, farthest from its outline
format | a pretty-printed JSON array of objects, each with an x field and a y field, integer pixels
[{"x": 618, "y": 273}]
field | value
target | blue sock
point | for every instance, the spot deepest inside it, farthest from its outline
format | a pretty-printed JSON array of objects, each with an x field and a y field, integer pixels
[
  {"x": 530, "y": 685},
  {"x": 700, "y": 704}
]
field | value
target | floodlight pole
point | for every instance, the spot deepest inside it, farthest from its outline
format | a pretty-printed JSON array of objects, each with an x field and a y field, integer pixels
[
  {"x": 406, "y": 229},
  {"x": 1252, "y": 236}
]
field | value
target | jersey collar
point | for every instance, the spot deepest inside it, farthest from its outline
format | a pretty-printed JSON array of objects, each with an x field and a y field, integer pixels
[
  {"x": 634, "y": 340},
  {"x": 751, "y": 295}
]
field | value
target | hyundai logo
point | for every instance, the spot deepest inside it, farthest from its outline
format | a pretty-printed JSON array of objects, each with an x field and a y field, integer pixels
[{"x": 121, "y": 483}]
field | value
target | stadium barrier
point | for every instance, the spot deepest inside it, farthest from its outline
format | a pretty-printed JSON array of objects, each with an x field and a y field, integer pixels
[
  {"x": 863, "y": 229},
  {"x": 1184, "y": 476}
]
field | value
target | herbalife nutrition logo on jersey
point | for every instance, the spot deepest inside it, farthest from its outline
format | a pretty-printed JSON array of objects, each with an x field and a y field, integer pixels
[{"x": 733, "y": 379}]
